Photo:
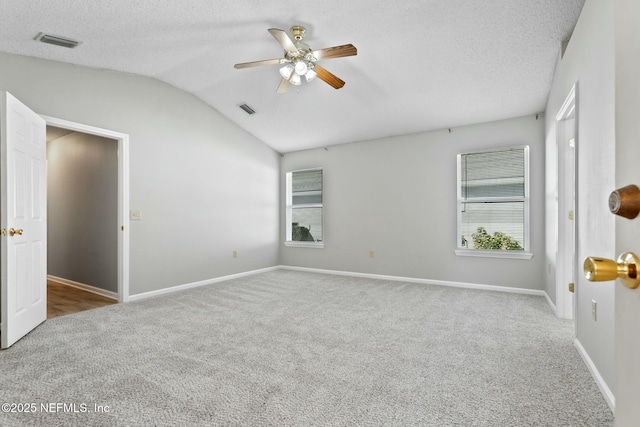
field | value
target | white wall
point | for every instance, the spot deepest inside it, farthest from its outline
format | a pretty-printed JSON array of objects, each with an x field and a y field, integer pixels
[
  {"x": 588, "y": 61},
  {"x": 397, "y": 197},
  {"x": 204, "y": 186}
]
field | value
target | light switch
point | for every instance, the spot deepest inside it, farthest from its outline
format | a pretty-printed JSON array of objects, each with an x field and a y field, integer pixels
[{"x": 136, "y": 215}]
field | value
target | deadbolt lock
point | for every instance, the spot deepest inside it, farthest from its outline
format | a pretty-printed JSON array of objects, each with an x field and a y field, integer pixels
[
  {"x": 625, "y": 268},
  {"x": 625, "y": 201}
]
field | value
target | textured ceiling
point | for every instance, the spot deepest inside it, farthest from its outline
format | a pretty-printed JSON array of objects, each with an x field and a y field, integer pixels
[{"x": 421, "y": 64}]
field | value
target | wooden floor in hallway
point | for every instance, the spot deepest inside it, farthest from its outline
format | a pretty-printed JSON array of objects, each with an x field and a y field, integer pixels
[{"x": 63, "y": 300}]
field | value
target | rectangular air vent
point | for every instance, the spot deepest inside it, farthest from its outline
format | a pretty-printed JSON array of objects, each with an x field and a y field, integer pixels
[
  {"x": 247, "y": 109},
  {"x": 57, "y": 40}
]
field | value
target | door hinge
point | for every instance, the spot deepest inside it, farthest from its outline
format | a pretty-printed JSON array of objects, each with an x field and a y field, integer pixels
[{"x": 572, "y": 287}]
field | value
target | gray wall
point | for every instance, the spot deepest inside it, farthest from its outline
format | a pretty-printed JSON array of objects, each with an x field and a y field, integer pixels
[
  {"x": 205, "y": 187},
  {"x": 397, "y": 197},
  {"x": 588, "y": 61},
  {"x": 82, "y": 216}
]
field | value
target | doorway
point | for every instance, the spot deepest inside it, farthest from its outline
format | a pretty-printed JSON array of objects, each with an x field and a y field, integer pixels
[
  {"x": 82, "y": 196},
  {"x": 118, "y": 227}
]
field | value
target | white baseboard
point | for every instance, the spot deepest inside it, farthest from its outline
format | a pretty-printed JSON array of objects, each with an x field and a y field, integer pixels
[
  {"x": 83, "y": 286},
  {"x": 197, "y": 284},
  {"x": 423, "y": 281},
  {"x": 551, "y": 304},
  {"x": 602, "y": 385},
  {"x": 340, "y": 273}
]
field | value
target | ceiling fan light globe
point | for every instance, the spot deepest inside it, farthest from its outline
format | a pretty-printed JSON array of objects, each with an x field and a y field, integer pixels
[
  {"x": 286, "y": 71},
  {"x": 295, "y": 80},
  {"x": 311, "y": 74},
  {"x": 301, "y": 68}
]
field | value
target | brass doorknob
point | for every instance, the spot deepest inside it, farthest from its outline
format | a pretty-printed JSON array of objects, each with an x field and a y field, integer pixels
[
  {"x": 602, "y": 269},
  {"x": 13, "y": 232}
]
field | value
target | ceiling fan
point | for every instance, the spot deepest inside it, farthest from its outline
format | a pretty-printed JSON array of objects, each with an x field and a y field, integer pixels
[{"x": 299, "y": 60}]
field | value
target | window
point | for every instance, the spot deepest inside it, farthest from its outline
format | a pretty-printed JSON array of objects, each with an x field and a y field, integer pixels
[
  {"x": 304, "y": 208},
  {"x": 493, "y": 203}
]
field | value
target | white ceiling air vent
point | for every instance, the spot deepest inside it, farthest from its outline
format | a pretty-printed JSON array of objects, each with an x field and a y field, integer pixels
[
  {"x": 247, "y": 109},
  {"x": 57, "y": 40}
]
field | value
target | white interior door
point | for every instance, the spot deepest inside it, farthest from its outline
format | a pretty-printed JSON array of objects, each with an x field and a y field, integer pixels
[
  {"x": 566, "y": 231},
  {"x": 627, "y": 316},
  {"x": 23, "y": 220}
]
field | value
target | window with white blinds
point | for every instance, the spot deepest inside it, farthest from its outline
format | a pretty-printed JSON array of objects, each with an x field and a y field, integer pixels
[
  {"x": 493, "y": 200},
  {"x": 304, "y": 208}
]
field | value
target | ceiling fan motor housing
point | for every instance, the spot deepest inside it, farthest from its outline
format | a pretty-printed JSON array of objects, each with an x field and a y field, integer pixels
[{"x": 298, "y": 32}]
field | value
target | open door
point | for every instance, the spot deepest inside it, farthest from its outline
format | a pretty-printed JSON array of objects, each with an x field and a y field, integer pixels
[
  {"x": 627, "y": 316},
  {"x": 23, "y": 219}
]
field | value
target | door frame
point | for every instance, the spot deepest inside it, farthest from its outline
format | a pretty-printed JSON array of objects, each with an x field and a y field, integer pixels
[
  {"x": 567, "y": 195},
  {"x": 123, "y": 194}
]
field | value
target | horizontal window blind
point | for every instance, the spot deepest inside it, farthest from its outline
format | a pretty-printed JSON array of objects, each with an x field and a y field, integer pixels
[
  {"x": 501, "y": 217},
  {"x": 305, "y": 206},
  {"x": 494, "y": 174},
  {"x": 307, "y": 181},
  {"x": 493, "y": 199}
]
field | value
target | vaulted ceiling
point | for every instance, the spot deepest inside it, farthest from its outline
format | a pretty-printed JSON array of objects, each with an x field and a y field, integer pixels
[{"x": 421, "y": 64}]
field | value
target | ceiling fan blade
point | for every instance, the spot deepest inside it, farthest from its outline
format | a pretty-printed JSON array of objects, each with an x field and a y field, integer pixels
[
  {"x": 328, "y": 77},
  {"x": 335, "y": 52},
  {"x": 284, "y": 86},
  {"x": 257, "y": 63},
  {"x": 283, "y": 39}
]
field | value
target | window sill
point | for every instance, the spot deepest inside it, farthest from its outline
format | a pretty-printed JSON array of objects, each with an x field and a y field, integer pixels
[
  {"x": 494, "y": 254},
  {"x": 316, "y": 245}
]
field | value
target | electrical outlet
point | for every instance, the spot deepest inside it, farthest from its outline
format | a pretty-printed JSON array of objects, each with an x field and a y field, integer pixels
[
  {"x": 235, "y": 254},
  {"x": 135, "y": 215},
  {"x": 594, "y": 306},
  {"x": 371, "y": 253}
]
